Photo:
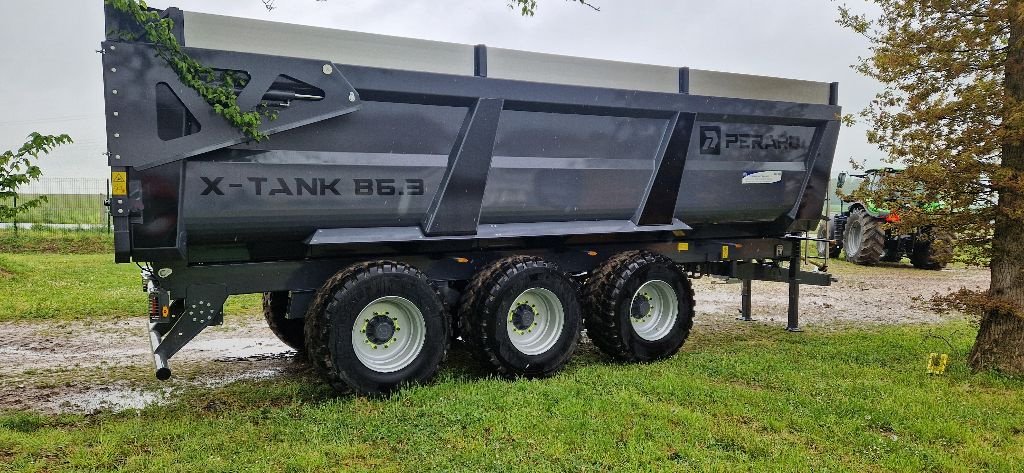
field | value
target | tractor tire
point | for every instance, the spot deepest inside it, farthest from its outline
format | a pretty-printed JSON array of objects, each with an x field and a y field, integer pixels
[
  {"x": 933, "y": 252},
  {"x": 639, "y": 307},
  {"x": 520, "y": 317},
  {"x": 289, "y": 331},
  {"x": 376, "y": 327},
  {"x": 826, "y": 231},
  {"x": 864, "y": 238},
  {"x": 892, "y": 256}
]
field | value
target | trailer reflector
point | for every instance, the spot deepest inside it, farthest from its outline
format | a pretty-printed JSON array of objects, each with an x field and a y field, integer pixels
[{"x": 683, "y": 247}]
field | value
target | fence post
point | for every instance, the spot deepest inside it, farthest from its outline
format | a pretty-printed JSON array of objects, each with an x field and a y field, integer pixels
[{"x": 15, "y": 216}]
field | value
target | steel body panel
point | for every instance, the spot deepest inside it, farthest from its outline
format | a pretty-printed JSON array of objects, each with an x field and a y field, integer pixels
[
  {"x": 745, "y": 86},
  {"x": 553, "y": 68},
  {"x": 558, "y": 153},
  {"x": 202, "y": 30}
]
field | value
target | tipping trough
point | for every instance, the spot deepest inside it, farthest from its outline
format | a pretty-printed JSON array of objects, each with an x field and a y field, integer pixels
[{"x": 409, "y": 183}]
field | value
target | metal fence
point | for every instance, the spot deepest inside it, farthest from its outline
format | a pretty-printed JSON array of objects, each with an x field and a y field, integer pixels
[{"x": 71, "y": 204}]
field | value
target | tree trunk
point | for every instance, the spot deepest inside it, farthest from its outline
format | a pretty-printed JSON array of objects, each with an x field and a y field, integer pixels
[{"x": 1000, "y": 343}]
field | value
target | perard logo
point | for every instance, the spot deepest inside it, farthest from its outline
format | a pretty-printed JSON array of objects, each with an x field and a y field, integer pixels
[
  {"x": 273, "y": 187},
  {"x": 712, "y": 141}
]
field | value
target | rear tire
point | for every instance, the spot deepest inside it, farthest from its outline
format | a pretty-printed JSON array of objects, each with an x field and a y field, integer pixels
[
  {"x": 864, "y": 238},
  {"x": 377, "y": 327},
  {"x": 275, "y": 311},
  {"x": 521, "y": 317},
  {"x": 932, "y": 251},
  {"x": 639, "y": 307}
]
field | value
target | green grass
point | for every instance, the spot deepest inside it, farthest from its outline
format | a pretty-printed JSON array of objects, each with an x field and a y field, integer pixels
[
  {"x": 56, "y": 241},
  {"x": 753, "y": 399},
  {"x": 74, "y": 287},
  {"x": 64, "y": 208}
]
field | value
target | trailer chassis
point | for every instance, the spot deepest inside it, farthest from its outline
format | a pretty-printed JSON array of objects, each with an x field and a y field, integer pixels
[{"x": 187, "y": 298}]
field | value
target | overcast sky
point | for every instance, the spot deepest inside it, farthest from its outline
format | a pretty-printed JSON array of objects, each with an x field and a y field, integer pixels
[{"x": 52, "y": 76}]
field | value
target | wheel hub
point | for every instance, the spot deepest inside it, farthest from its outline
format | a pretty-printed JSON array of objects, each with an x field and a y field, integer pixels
[
  {"x": 641, "y": 307},
  {"x": 654, "y": 310},
  {"x": 523, "y": 316},
  {"x": 380, "y": 330},
  {"x": 535, "y": 321}
]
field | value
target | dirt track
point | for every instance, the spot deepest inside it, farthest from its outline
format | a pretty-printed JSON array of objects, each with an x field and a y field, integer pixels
[{"x": 84, "y": 366}]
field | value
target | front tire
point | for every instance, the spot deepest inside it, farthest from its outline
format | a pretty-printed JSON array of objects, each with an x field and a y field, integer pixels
[
  {"x": 639, "y": 307},
  {"x": 376, "y": 327},
  {"x": 864, "y": 238},
  {"x": 521, "y": 317}
]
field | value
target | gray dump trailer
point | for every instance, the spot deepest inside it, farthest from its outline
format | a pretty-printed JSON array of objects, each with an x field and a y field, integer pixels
[{"x": 413, "y": 194}]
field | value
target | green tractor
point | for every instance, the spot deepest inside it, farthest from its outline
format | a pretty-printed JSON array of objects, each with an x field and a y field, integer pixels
[{"x": 860, "y": 232}]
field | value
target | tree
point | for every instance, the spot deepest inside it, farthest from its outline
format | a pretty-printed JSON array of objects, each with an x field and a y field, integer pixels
[
  {"x": 952, "y": 114},
  {"x": 17, "y": 169}
]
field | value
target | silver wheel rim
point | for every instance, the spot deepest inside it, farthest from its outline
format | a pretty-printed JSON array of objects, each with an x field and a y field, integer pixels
[
  {"x": 654, "y": 310},
  {"x": 853, "y": 239},
  {"x": 535, "y": 321},
  {"x": 394, "y": 316},
  {"x": 823, "y": 246}
]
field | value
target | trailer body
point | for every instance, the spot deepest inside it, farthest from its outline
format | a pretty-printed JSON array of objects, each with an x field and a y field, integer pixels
[{"x": 446, "y": 157}]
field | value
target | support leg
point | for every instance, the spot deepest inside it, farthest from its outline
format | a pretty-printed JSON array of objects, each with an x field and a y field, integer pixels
[
  {"x": 793, "y": 321},
  {"x": 204, "y": 306},
  {"x": 745, "y": 292}
]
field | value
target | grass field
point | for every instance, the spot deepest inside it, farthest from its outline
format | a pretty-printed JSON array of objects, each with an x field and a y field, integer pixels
[
  {"x": 60, "y": 242},
  {"x": 750, "y": 399},
  {"x": 37, "y": 286}
]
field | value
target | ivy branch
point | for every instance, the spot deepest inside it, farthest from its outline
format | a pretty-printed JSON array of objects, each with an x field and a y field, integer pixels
[{"x": 217, "y": 88}]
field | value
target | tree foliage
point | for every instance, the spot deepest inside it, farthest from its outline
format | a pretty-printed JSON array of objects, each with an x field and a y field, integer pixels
[
  {"x": 524, "y": 7},
  {"x": 529, "y": 7},
  {"x": 943, "y": 114},
  {"x": 952, "y": 114},
  {"x": 17, "y": 168}
]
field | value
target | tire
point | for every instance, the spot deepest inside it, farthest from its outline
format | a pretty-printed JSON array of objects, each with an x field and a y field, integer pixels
[
  {"x": 826, "y": 231},
  {"x": 932, "y": 252},
  {"x": 892, "y": 256},
  {"x": 290, "y": 331},
  {"x": 520, "y": 317},
  {"x": 612, "y": 304},
  {"x": 369, "y": 307},
  {"x": 864, "y": 238}
]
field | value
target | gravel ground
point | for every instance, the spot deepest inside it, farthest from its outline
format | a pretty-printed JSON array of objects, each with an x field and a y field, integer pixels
[{"x": 88, "y": 366}]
